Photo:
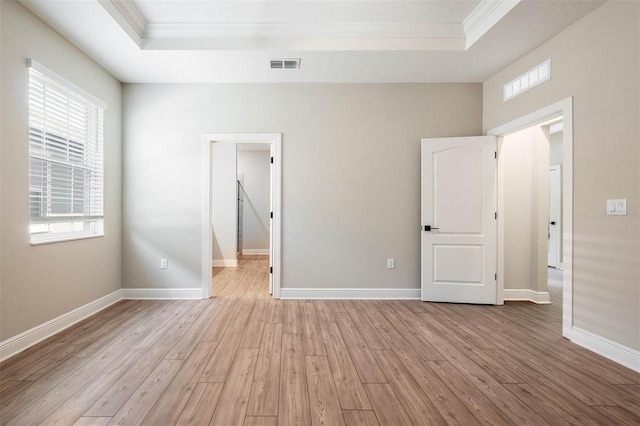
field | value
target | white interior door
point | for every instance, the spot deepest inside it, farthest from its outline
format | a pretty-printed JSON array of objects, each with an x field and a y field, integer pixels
[
  {"x": 271, "y": 195},
  {"x": 555, "y": 216},
  {"x": 459, "y": 228}
]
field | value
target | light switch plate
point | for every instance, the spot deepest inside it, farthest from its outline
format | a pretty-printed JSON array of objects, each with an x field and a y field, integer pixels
[{"x": 617, "y": 207}]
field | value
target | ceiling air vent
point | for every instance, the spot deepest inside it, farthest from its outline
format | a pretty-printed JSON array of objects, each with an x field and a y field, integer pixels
[{"x": 289, "y": 64}]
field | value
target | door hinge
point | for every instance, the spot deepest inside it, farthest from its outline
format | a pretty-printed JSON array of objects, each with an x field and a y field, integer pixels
[
  {"x": 271, "y": 160},
  {"x": 271, "y": 269},
  {"x": 495, "y": 154},
  {"x": 495, "y": 276},
  {"x": 271, "y": 215},
  {"x": 495, "y": 215}
]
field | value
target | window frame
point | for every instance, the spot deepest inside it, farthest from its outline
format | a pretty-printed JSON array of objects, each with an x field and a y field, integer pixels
[{"x": 68, "y": 151}]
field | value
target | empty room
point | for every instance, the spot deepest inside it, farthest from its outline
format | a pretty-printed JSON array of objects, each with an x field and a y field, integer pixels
[{"x": 320, "y": 212}]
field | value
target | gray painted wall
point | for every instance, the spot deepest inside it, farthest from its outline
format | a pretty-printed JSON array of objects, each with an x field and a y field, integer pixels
[
  {"x": 40, "y": 283},
  {"x": 595, "y": 61},
  {"x": 255, "y": 166},
  {"x": 351, "y": 174},
  {"x": 224, "y": 220}
]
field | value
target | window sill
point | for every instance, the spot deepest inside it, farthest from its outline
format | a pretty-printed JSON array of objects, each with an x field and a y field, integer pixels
[{"x": 62, "y": 238}]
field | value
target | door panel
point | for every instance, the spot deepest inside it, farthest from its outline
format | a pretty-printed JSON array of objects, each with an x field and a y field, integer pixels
[{"x": 458, "y": 202}]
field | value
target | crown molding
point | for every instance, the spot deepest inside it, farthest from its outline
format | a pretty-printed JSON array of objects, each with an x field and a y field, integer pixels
[
  {"x": 484, "y": 17},
  {"x": 128, "y": 17},
  {"x": 449, "y": 36}
]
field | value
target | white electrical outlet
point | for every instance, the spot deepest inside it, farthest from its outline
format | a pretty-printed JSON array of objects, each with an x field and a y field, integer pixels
[
  {"x": 163, "y": 264},
  {"x": 391, "y": 263}
]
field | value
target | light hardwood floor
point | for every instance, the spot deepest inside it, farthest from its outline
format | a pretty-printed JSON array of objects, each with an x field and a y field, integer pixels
[{"x": 243, "y": 358}]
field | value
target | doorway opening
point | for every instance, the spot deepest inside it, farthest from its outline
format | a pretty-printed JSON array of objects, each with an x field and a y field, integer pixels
[
  {"x": 225, "y": 205},
  {"x": 539, "y": 122}
]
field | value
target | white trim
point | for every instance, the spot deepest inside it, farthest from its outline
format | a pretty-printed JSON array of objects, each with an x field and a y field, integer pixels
[
  {"x": 128, "y": 17},
  {"x": 25, "y": 340},
  {"x": 564, "y": 108},
  {"x": 249, "y": 252},
  {"x": 526, "y": 295},
  {"x": 609, "y": 349},
  {"x": 437, "y": 31},
  {"x": 484, "y": 17},
  {"x": 224, "y": 263},
  {"x": 351, "y": 293},
  {"x": 276, "y": 198},
  {"x": 162, "y": 293}
]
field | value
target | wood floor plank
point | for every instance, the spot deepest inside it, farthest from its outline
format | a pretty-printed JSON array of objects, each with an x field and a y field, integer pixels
[
  {"x": 266, "y": 384},
  {"x": 255, "y": 326},
  {"x": 201, "y": 405},
  {"x": 323, "y": 397},
  {"x": 362, "y": 357},
  {"x": 141, "y": 402},
  {"x": 190, "y": 338},
  {"x": 20, "y": 401},
  {"x": 293, "y": 404},
  {"x": 72, "y": 409},
  {"x": 275, "y": 312},
  {"x": 261, "y": 421},
  {"x": 217, "y": 328},
  {"x": 108, "y": 404},
  {"x": 366, "y": 327},
  {"x": 388, "y": 408},
  {"x": 43, "y": 406},
  {"x": 92, "y": 421},
  {"x": 222, "y": 359},
  {"x": 311, "y": 337},
  {"x": 551, "y": 412},
  {"x": 360, "y": 418},
  {"x": 498, "y": 394},
  {"x": 350, "y": 389},
  {"x": 24, "y": 367},
  {"x": 619, "y": 415},
  {"x": 322, "y": 311},
  {"x": 9, "y": 388},
  {"x": 232, "y": 407},
  {"x": 291, "y": 320},
  {"x": 441, "y": 396},
  {"x": 174, "y": 398},
  {"x": 476, "y": 402},
  {"x": 418, "y": 407},
  {"x": 378, "y": 320}
]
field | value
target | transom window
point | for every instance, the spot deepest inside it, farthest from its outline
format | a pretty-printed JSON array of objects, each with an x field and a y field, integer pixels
[{"x": 66, "y": 159}]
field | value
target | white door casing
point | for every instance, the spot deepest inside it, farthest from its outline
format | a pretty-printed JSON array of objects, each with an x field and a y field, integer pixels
[
  {"x": 275, "y": 139},
  {"x": 555, "y": 217},
  {"x": 271, "y": 150},
  {"x": 458, "y": 202}
]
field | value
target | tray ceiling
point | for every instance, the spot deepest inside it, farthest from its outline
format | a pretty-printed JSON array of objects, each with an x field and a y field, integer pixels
[{"x": 337, "y": 41}]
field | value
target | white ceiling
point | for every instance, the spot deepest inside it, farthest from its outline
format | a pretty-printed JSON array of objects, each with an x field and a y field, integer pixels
[{"x": 208, "y": 41}]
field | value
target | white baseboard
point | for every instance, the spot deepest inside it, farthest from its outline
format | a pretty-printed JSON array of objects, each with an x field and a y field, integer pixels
[
  {"x": 248, "y": 252},
  {"x": 162, "y": 293},
  {"x": 607, "y": 348},
  {"x": 350, "y": 293},
  {"x": 224, "y": 263},
  {"x": 25, "y": 340},
  {"x": 526, "y": 295}
]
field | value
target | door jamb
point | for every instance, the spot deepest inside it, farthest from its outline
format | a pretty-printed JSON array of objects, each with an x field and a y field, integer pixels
[
  {"x": 276, "y": 196},
  {"x": 559, "y": 168},
  {"x": 564, "y": 108}
]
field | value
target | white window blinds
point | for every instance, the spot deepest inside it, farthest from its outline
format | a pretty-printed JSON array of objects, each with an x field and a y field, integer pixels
[{"x": 66, "y": 159}]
